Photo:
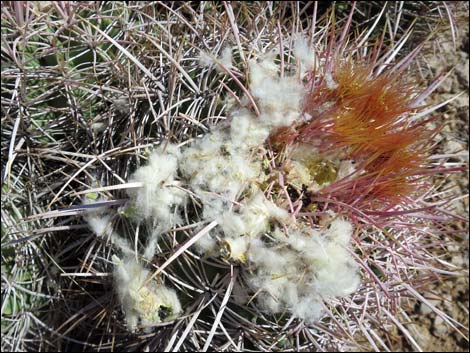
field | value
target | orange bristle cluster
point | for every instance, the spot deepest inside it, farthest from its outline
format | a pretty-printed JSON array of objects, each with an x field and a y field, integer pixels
[
  {"x": 364, "y": 115},
  {"x": 367, "y": 120}
]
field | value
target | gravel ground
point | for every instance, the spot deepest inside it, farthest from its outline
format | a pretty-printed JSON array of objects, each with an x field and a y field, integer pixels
[{"x": 452, "y": 296}]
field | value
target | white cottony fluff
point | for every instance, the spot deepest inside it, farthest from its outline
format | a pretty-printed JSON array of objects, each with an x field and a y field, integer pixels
[
  {"x": 302, "y": 269},
  {"x": 205, "y": 59},
  {"x": 299, "y": 267},
  {"x": 226, "y": 171},
  {"x": 309, "y": 308},
  {"x": 253, "y": 218},
  {"x": 238, "y": 247},
  {"x": 159, "y": 196},
  {"x": 144, "y": 303},
  {"x": 226, "y": 57},
  {"x": 207, "y": 245},
  {"x": 99, "y": 224},
  {"x": 341, "y": 231},
  {"x": 152, "y": 242},
  {"x": 304, "y": 54},
  {"x": 279, "y": 99},
  {"x": 247, "y": 132}
]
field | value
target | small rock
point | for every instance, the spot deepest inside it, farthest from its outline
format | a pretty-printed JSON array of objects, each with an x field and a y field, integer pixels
[
  {"x": 462, "y": 101},
  {"x": 446, "y": 85},
  {"x": 440, "y": 327},
  {"x": 453, "y": 146},
  {"x": 458, "y": 260},
  {"x": 425, "y": 309},
  {"x": 453, "y": 248},
  {"x": 448, "y": 302}
]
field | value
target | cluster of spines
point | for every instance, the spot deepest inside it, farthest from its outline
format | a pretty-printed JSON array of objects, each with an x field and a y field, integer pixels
[{"x": 363, "y": 116}]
